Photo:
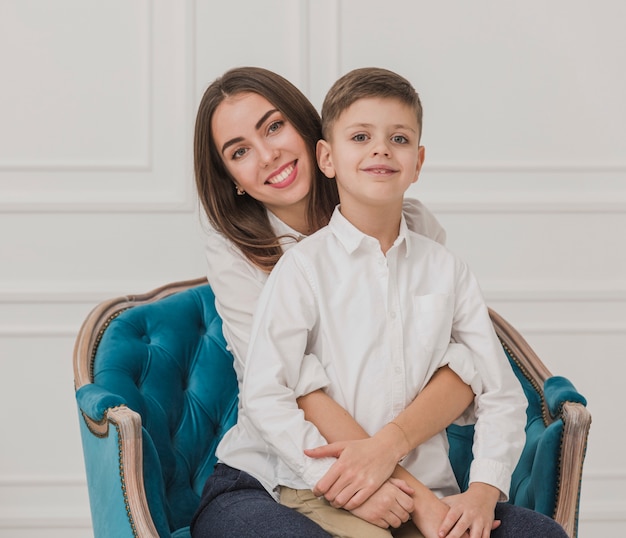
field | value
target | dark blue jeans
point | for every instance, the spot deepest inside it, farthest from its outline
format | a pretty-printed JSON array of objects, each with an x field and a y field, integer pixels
[
  {"x": 235, "y": 504},
  {"x": 518, "y": 522}
]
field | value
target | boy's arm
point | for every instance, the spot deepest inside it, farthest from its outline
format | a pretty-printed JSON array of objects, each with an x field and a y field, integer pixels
[
  {"x": 364, "y": 465},
  {"x": 286, "y": 315},
  {"x": 337, "y": 425},
  {"x": 500, "y": 405}
]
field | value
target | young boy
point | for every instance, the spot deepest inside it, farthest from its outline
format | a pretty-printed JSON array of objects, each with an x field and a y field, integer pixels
[{"x": 378, "y": 305}]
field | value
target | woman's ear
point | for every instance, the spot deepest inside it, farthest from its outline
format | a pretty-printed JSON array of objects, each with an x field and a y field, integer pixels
[{"x": 324, "y": 158}]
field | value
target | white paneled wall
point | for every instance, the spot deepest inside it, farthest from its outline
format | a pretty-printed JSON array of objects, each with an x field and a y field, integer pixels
[{"x": 526, "y": 168}]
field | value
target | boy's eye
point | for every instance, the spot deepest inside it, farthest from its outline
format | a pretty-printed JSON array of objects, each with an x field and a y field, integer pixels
[
  {"x": 399, "y": 139},
  {"x": 361, "y": 137}
]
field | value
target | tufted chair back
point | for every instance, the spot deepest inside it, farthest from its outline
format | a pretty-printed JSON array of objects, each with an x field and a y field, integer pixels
[
  {"x": 156, "y": 392},
  {"x": 167, "y": 361}
]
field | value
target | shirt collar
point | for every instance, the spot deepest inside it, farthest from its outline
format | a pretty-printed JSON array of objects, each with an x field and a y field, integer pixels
[{"x": 351, "y": 237}]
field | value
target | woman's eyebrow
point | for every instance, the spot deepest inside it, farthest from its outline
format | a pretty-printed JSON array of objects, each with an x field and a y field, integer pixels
[
  {"x": 264, "y": 117},
  {"x": 231, "y": 142},
  {"x": 256, "y": 126}
]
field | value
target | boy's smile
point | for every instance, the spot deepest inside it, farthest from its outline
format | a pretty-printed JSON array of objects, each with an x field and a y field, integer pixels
[{"x": 373, "y": 152}]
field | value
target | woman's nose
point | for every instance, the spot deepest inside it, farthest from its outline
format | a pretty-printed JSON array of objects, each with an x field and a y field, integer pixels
[{"x": 267, "y": 154}]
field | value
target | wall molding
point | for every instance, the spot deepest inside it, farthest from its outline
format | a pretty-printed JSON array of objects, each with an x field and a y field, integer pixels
[
  {"x": 539, "y": 204},
  {"x": 324, "y": 56},
  {"x": 46, "y": 331},
  {"x": 45, "y": 502},
  {"x": 26, "y": 515},
  {"x": 38, "y": 331},
  {"x": 525, "y": 167},
  {"x": 159, "y": 181},
  {"x": 515, "y": 291},
  {"x": 44, "y": 523}
]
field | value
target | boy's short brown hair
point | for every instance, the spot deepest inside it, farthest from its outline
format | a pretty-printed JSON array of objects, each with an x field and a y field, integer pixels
[{"x": 363, "y": 83}]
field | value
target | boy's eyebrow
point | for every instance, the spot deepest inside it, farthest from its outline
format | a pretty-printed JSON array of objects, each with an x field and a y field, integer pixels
[
  {"x": 258, "y": 124},
  {"x": 369, "y": 125}
]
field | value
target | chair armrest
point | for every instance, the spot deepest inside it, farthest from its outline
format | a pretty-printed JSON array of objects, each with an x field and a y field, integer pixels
[
  {"x": 576, "y": 423},
  {"x": 112, "y": 441},
  {"x": 94, "y": 401},
  {"x": 557, "y": 391},
  {"x": 568, "y": 409}
]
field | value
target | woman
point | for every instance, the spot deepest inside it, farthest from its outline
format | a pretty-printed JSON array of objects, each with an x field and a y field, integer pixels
[{"x": 260, "y": 187}]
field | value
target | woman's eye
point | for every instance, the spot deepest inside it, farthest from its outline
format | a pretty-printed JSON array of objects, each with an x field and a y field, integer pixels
[
  {"x": 240, "y": 152},
  {"x": 359, "y": 137},
  {"x": 274, "y": 126},
  {"x": 399, "y": 139}
]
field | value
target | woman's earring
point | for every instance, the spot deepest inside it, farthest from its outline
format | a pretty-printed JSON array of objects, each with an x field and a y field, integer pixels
[{"x": 239, "y": 191}]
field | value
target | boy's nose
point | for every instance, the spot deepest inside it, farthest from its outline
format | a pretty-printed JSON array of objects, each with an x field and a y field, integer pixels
[{"x": 380, "y": 148}]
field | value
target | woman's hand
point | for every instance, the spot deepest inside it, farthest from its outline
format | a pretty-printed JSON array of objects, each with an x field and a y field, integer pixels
[
  {"x": 389, "y": 506},
  {"x": 361, "y": 467}
]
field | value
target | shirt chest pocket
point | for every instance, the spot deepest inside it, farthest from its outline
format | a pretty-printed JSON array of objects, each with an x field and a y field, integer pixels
[{"x": 432, "y": 321}]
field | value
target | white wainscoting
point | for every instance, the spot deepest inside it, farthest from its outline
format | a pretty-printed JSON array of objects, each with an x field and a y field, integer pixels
[{"x": 526, "y": 169}]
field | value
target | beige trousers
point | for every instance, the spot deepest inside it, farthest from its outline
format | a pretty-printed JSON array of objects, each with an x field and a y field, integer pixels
[{"x": 340, "y": 523}]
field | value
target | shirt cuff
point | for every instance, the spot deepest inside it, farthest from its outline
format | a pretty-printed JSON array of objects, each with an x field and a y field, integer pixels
[
  {"x": 312, "y": 376},
  {"x": 493, "y": 473},
  {"x": 461, "y": 361},
  {"x": 315, "y": 469}
]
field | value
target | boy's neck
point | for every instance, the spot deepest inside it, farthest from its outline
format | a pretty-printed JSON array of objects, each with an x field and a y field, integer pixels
[{"x": 380, "y": 222}]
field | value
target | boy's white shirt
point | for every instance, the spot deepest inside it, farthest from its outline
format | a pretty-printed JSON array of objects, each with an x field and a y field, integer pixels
[
  {"x": 372, "y": 329},
  {"x": 237, "y": 284}
]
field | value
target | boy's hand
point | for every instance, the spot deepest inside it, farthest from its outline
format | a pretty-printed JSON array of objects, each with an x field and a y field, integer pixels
[
  {"x": 361, "y": 468},
  {"x": 471, "y": 511},
  {"x": 389, "y": 506},
  {"x": 429, "y": 515}
]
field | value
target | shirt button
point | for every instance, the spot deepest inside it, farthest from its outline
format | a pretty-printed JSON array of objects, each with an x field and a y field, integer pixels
[{"x": 392, "y": 315}]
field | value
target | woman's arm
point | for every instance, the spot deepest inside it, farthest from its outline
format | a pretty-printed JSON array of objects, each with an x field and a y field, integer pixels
[
  {"x": 440, "y": 403},
  {"x": 364, "y": 463},
  {"x": 237, "y": 285}
]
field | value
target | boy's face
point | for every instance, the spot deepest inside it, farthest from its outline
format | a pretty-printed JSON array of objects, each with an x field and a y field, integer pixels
[{"x": 373, "y": 151}]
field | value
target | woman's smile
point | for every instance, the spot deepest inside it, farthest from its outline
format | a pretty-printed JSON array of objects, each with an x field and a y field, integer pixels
[{"x": 284, "y": 176}]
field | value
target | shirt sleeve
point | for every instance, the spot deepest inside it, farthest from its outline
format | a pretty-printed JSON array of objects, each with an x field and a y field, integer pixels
[
  {"x": 237, "y": 285},
  {"x": 285, "y": 318},
  {"x": 500, "y": 405},
  {"x": 421, "y": 220},
  {"x": 460, "y": 360}
]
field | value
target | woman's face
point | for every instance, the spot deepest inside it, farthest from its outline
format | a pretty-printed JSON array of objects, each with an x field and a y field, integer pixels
[{"x": 264, "y": 153}]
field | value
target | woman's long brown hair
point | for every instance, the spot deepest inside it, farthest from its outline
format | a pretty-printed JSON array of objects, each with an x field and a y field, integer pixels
[{"x": 242, "y": 219}]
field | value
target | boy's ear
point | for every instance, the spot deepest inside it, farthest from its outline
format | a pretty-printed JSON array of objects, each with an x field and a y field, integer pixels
[
  {"x": 324, "y": 159},
  {"x": 420, "y": 161}
]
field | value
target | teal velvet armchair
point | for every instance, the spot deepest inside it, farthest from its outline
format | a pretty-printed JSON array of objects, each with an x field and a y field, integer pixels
[{"x": 156, "y": 391}]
